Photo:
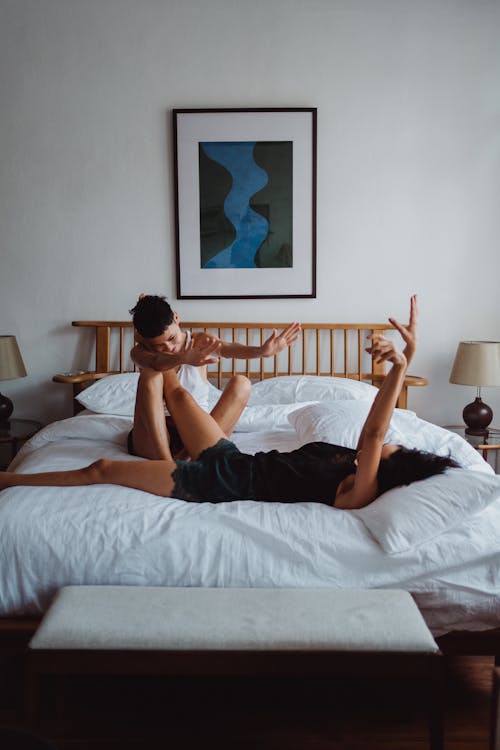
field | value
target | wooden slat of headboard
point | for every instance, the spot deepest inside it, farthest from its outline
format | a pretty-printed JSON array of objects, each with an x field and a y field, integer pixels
[
  {"x": 360, "y": 354},
  {"x": 103, "y": 335}
]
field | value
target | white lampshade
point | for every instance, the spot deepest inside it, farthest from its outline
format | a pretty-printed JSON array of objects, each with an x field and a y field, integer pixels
[
  {"x": 477, "y": 363},
  {"x": 11, "y": 362}
]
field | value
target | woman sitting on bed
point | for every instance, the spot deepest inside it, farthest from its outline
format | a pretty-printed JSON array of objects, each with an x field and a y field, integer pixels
[{"x": 317, "y": 472}]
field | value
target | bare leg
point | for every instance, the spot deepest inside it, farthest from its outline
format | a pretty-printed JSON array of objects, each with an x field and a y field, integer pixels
[
  {"x": 197, "y": 429},
  {"x": 149, "y": 476},
  {"x": 228, "y": 408},
  {"x": 150, "y": 436}
]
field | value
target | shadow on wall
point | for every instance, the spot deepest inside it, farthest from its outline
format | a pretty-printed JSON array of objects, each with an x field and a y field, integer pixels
[{"x": 78, "y": 348}]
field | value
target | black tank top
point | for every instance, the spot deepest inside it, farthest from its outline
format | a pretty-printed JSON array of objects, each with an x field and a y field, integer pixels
[{"x": 311, "y": 473}]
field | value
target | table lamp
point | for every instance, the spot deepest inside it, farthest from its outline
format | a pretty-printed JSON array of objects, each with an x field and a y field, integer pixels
[
  {"x": 11, "y": 367},
  {"x": 477, "y": 363}
]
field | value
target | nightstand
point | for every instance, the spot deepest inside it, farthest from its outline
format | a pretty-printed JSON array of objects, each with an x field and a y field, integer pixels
[
  {"x": 16, "y": 433},
  {"x": 489, "y": 447}
]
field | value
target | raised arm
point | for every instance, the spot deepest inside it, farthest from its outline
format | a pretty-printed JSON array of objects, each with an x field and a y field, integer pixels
[
  {"x": 271, "y": 346},
  {"x": 365, "y": 488},
  {"x": 198, "y": 353},
  {"x": 409, "y": 336},
  {"x": 371, "y": 440},
  {"x": 206, "y": 348}
]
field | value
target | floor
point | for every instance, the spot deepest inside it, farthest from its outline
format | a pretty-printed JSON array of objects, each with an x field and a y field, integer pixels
[{"x": 131, "y": 714}]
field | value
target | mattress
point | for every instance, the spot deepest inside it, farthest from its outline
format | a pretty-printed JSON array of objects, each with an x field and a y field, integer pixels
[{"x": 109, "y": 535}]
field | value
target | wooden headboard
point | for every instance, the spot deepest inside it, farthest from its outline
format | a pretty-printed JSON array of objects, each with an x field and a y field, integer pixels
[{"x": 322, "y": 349}]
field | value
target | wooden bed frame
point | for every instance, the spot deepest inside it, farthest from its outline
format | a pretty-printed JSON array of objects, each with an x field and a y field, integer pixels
[{"x": 322, "y": 349}]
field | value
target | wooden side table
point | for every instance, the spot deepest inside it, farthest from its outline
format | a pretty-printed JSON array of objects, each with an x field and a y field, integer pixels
[
  {"x": 489, "y": 446},
  {"x": 18, "y": 432}
]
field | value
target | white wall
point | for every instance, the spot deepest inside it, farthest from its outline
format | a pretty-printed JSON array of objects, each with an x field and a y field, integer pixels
[{"x": 408, "y": 164}]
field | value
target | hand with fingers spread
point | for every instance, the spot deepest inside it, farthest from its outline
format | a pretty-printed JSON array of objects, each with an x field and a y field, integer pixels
[
  {"x": 197, "y": 354},
  {"x": 203, "y": 340},
  {"x": 202, "y": 351},
  {"x": 409, "y": 332},
  {"x": 276, "y": 343}
]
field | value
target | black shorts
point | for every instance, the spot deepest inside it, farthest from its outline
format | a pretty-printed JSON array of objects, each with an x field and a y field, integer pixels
[
  {"x": 221, "y": 473},
  {"x": 175, "y": 440}
]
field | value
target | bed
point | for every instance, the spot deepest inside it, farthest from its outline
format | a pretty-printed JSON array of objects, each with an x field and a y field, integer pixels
[{"x": 438, "y": 539}]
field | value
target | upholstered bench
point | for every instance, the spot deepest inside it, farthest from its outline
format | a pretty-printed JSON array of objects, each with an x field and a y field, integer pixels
[{"x": 226, "y": 631}]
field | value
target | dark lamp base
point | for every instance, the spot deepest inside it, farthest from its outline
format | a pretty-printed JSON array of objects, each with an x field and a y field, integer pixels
[
  {"x": 477, "y": 416},
  {"x": 6, "y": 408}
]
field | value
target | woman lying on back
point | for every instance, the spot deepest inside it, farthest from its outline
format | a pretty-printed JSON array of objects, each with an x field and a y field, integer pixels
[{"x": 317, "y": 472}]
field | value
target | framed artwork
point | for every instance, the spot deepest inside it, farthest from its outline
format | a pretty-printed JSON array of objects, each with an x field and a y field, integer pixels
[{"x": 245, "y": 185}]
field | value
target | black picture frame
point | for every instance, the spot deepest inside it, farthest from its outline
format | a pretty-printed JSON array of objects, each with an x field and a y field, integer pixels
[{"x": 245, "y": 203}]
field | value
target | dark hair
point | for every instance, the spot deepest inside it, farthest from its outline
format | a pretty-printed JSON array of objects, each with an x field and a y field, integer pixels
[
  {"x": 407, "y": 465},
  {"x": 151, "y": 315}
]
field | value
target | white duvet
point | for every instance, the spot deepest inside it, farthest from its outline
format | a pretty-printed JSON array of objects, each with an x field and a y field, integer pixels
[{"x": 51, "y": 537}]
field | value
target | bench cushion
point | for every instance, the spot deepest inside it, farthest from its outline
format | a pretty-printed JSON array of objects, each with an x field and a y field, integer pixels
[{"x": 161, "y": 618}]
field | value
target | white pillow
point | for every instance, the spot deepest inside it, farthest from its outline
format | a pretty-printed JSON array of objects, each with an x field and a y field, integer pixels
[
  {"x": 266, "y": 417},
  {"x": 272, "y": 400},
  {"x": 114, "y": 394},
  {"x": 341, "y": 422},
  {"x": 290, "y": 389},
  {"x": 406, "y": 517}
]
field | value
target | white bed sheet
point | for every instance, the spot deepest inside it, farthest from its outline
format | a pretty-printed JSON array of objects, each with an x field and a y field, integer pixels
[{"x": 51, "y": 537}]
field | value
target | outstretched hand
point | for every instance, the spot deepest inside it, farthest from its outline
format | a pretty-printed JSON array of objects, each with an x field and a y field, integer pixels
[
  {"x": 198, "y": 353},
  {"x": 408, "y": 332},
  {"x": 202, "y": 350},
  {"x": 275, "y": 344}
]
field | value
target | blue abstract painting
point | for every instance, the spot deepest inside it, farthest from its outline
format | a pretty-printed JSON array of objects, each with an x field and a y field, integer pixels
[{"x": 246, "y": 204}]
